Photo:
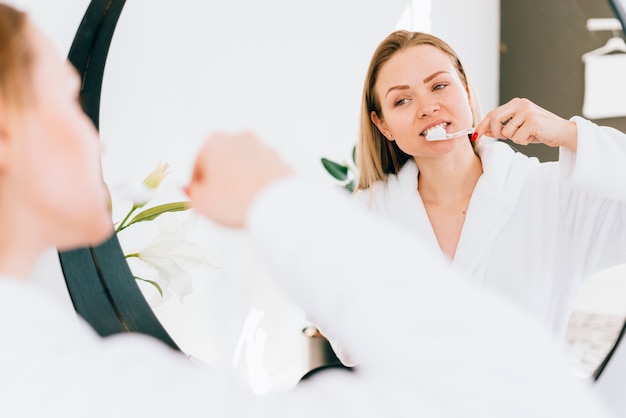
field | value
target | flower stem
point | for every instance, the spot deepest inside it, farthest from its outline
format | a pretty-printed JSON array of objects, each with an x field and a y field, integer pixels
[{"x": 122, "y": 224}]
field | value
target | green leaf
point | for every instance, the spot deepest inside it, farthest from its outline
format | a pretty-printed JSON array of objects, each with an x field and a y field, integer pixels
[
  {"x": 152, "y": 282},
  {"x": 354, "y": 154},
  {"x": 338, "y": 171},
  {"x": 350, "y": 186},
  {"x": 155, "y": 212}
]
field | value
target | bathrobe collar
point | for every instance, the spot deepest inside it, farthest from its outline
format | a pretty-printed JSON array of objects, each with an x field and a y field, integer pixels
[{"x": 491, "y": 205}]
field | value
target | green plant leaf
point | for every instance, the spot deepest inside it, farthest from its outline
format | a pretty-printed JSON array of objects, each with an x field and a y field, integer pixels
[
  {"x": 354, "y": 154},
  {"x": 152, "y": 282},
  {"x": 350, "y": 186},
  {"x": 155, "y": 212},
  {"x": 338, "y": 171}
]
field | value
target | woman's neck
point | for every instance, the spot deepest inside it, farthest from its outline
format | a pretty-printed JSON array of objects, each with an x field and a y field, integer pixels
[
  {"x": 19, "y": 251},
  {"x": 14, "y": 264},
  {"x": 448, "y": 178}
]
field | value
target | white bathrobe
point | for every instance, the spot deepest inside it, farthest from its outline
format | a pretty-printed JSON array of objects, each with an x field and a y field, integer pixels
[
  {"x": 429, "y": 344},
  {"x": 533, "y": 231}
]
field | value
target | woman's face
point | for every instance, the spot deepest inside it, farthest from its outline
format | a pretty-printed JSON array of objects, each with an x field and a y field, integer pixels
[
  {"x": 419, "y": 89},
  {"x": 56, "y": 163}
]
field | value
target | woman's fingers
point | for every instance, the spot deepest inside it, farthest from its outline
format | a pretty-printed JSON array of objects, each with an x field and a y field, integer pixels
[{"x": 523, "y": 122}]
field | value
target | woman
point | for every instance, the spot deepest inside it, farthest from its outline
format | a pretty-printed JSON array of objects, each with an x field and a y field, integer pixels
[
  {"x": 46, "y": 144},
  {"x": 533, "y": 231}
]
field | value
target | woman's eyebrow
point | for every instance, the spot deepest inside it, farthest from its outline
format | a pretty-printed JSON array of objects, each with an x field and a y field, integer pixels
[
  {"x": 400, "y": 87},
  {"x": 405, "y": 86},
  {"x": 433, "y": 75}
]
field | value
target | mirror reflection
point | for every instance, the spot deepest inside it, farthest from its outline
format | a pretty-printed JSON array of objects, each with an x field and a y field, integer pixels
[{"x": 291, "y": 73}]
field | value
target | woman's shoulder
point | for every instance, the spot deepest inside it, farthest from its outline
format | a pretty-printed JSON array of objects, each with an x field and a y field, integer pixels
[
  {"x": 407, "y": 174},
  {"x": 502, "y": 155},
  {"x": 392, "y": 184},
  {"x": 507, "y": 169}
]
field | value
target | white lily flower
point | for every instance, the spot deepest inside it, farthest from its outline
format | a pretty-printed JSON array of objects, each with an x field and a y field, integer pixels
[
  {"x": 172, "y": 256},
  {"x": 154, "y": 179},
  {"x": 142, "y": 193},
  {"x": 139, "y": 194}
]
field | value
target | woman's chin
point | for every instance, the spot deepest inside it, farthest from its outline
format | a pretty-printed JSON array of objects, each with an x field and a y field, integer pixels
[
  {"x": 101, "y": 237},
  {"x": 90, "y": 237}
]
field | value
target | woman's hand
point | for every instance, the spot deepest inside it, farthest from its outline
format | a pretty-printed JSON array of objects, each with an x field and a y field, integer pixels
[
  {"x": 523, "y": 122},
  {"x": 229, "y": 173}
]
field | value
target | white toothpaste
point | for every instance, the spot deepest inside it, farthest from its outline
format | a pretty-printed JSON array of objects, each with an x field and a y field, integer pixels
[{"x": 435, "y": 134}]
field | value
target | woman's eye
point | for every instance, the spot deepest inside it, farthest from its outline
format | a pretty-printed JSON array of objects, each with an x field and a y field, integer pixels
[
  {"x": 439, "y": 86},
  {"x": 400, "y": 102}
]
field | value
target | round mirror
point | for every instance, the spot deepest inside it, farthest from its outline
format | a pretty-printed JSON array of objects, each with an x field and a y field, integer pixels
[{"x": 178, "y": 71}]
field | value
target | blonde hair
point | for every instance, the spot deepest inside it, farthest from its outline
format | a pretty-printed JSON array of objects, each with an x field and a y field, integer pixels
[
  {"x": 16, "y": 58},
  {"x": 377, "y": 156}
]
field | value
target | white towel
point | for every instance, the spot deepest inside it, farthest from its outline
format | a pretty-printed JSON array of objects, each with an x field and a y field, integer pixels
[{"x": 605, "y": 86}]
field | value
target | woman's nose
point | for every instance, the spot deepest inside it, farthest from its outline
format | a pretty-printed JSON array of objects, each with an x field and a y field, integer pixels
[{"x": 427, "y": 107}]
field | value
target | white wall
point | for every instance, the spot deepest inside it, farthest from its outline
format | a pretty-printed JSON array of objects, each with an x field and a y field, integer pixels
[
  {"x": 472, "y": 28},
  {"x": 292, "y": 72},
  {"x": 473, "y": 31}
]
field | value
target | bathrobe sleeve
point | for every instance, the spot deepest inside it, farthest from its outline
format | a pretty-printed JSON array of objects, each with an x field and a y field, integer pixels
[
  {"x": 593, "y": 200},
  {"x": 599, "y": 169},
  {"x": 426, "y": 339},
  {"x": 599, "y": 165}
]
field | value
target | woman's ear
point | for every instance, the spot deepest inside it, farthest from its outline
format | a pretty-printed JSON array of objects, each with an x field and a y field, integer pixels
[{"x": 382, "y": 127}]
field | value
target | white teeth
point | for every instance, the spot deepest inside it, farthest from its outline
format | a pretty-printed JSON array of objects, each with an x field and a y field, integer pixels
[
  {"x": 436, "y": 134},
  {"x": 442, "y": 125}
]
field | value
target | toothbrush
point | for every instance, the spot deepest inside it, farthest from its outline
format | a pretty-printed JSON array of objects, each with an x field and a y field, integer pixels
[{"x": 439, "y": 134}]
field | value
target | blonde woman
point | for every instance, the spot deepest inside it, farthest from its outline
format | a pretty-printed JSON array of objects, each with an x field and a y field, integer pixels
[{"x": 533, "y": 231}]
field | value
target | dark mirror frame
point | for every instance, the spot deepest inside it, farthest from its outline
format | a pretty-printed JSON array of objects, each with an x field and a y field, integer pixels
[
  {"x": 100, "y": 283},
  {"x": 619, "y": 8}
]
